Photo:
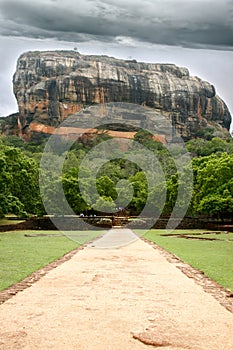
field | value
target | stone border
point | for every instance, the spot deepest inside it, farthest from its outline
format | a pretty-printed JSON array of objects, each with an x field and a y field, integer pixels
[{"x": 221, "y": 294}]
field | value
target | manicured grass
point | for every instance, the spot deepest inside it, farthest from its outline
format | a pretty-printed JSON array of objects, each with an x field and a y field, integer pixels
[
  {"x": 21, "y": 255},
  {"x": 214, "y": 258}
]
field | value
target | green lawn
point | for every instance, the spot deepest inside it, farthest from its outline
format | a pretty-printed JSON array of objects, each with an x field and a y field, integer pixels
[
  {"x": 20, "y": 255},
  {"x": 214, "y": 258}
]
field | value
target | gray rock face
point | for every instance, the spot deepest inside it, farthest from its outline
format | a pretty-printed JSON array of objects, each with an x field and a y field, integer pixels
[{"x": 49, "y": 86}]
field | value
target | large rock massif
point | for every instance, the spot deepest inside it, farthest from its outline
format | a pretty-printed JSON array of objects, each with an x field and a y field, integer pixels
[{"x": 50, "y": 86}]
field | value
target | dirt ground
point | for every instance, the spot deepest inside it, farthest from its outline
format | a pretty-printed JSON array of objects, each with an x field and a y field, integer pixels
[{"x": 124, "y": 298}]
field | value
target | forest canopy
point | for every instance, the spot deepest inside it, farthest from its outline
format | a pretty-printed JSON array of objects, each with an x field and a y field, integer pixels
[{"x": 210, "y": 159}]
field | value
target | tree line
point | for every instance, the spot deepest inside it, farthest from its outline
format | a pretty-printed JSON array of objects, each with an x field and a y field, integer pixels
[{"x": 211, "y": 161}]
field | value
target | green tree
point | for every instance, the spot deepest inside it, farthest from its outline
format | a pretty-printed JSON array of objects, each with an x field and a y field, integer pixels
[
  {"x": 140, "y": 188},
  {"x": 19, "y": 182},
  {"x": 201, "y": 148},
  {"x": 213, "y": 186},
  {"x": 106, "y": 187},
  {"x": 146, "y": 139},
  {"x": 73, "y": 195},
  {"x": 105, "y": 204}
]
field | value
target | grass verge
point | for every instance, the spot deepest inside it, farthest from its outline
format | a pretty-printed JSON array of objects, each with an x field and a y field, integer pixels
[
  {"x": 21, "y": 255},
  {"x": 213, "y": 257}
]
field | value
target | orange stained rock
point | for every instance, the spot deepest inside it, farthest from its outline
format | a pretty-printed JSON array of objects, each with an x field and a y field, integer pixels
[{"x": 69, "y": 131}]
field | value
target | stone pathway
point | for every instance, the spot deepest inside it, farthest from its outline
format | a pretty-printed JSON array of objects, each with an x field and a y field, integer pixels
[
  {"x": 123, "y": 298},
  {"x": 114, "y": 238}
]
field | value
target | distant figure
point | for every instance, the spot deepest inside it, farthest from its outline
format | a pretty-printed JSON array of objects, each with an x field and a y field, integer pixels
[{"x": 81, "y": 215}]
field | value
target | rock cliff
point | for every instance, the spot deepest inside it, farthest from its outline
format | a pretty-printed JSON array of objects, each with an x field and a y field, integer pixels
[{"x": 49, "y": 86}]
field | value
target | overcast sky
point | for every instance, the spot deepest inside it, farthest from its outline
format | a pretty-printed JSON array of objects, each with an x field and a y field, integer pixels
[{"x": 197, "y": 34}]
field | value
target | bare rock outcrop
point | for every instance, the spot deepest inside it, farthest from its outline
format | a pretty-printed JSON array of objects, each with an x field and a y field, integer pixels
[{"x": 49, "y": 86}]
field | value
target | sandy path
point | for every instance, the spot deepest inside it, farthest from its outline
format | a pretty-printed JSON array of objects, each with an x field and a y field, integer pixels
[{"x": 107, "y": 298}]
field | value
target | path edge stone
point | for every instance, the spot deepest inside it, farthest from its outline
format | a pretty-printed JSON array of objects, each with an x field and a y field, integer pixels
[
  {"x": 222, "y": 295},
  {"x": 27, "y": 282}
]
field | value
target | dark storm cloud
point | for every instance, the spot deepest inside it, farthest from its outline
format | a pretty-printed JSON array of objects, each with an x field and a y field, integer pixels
[{"x": 183, "y": 22}]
